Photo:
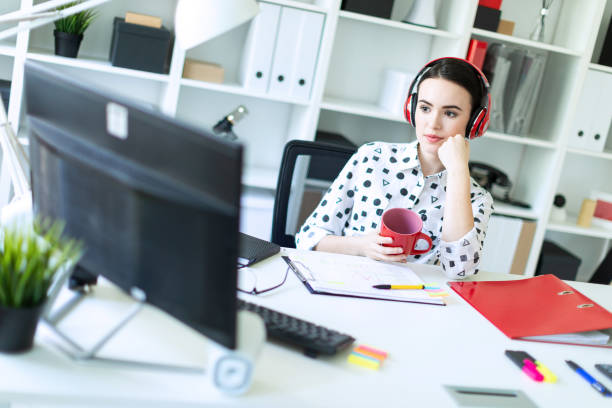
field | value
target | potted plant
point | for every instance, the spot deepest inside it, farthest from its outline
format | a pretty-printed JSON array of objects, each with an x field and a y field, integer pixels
[
  {"x": 30, "y": 258},
  {"x": 69, "y": 31}
]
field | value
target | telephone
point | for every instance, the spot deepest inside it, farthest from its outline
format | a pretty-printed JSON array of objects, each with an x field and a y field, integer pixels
[{"x": 494, "y": 181}]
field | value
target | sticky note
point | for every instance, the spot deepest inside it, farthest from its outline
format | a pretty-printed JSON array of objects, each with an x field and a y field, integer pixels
[
  {"x": 371, "y": 351},
  {"x": 363, "y": 361}
]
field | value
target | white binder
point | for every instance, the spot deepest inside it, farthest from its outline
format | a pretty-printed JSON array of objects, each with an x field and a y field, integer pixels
[
  {"x": 307, "y": 50},
  {"x": 285, "y": 53},
  {"x": 258, "y": 51}
]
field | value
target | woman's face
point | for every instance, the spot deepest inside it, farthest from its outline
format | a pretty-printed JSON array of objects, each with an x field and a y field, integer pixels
[{"x": 443, "y": 110}]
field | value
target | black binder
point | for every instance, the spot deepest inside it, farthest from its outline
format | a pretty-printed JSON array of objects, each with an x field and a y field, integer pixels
[{"x": 252, "y": 250}]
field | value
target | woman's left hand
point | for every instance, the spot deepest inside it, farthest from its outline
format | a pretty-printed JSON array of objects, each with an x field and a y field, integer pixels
[{"x": 455, "y": 153}]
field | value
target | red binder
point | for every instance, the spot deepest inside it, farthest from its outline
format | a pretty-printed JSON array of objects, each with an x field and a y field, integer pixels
[{"x": 539, "y": 306}]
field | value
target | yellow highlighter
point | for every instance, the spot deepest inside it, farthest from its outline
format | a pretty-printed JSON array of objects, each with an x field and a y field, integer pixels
[
  {"x": 398, "y": 286},
  {"x": 549, "y": 377}
]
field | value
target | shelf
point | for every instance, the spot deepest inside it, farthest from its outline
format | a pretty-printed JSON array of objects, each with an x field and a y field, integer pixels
[
  {"x": 602, "y": 68},
  {"x": 94, "y": 65},
  {"x": 359, "y": 108},
  {"x": 298, "y": 4},
  {"x": 521, "y": 41},
  {"x": 239, "y": 90},
  {"x": 7, "y": 48},
  {"x": 259, "y": 177},
  {"x": 397, "y": 24},
  {"x": 599, "y": 155},
  {"x": 520, "y": 139},
  {"x": 569, "y": 226},
  {"x": 513, "y": 211}
]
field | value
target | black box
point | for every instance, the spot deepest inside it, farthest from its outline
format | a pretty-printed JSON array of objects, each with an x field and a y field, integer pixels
[
  {"x": 557, "y": 261},
  {"x": 487, "y": 18},
  {"x": 376, "y": 8},
  {"x": 324, "y": 168},
  {"x": 5, "y": 92},
  {"x": 606, "y": 50},
  {"x": 140, "y": 47}
]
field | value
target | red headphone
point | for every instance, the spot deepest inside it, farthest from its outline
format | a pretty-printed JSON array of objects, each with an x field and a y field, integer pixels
[{"x": 478, "y": 123}]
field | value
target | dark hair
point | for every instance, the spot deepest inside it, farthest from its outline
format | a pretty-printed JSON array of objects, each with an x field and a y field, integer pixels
[{"x": 461, "y": 73}]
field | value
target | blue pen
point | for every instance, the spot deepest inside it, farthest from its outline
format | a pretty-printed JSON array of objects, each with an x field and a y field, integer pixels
[{"x": 594, "y": 383}]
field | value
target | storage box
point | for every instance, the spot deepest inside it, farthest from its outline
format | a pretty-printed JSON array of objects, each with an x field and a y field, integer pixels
[
  {"x": 602, "y": 216},
  {"x": 143, "y": 19},
  {"x": 496, "y": 4},
  {"x": 557, "y": 261},
  {"x": 203, "y": 71},
  {"x": 487, "y": 18},
  {"x": 505, "y": 27},
  {"x": 140, "y": 47},
  {"x": 508, "y": 245},
  {"x": 377, "y": 8}
]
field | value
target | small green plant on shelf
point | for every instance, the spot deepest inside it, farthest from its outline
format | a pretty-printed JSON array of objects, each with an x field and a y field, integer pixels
[
  {"x": 30, "y": 259},
  {"x": 69, "y": 30}
]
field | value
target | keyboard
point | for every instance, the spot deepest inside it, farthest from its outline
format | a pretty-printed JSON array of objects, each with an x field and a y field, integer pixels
[{"x": 314, "y": 339}]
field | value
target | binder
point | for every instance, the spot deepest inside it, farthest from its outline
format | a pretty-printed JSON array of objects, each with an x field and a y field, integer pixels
[
  {"x": 285, "y": 53},
  {"x": 476, "y": 52},
  {"x": 307, "y": 52},
  {"x": 258, "y": 51},
  {"x": 544, "y": 305}
]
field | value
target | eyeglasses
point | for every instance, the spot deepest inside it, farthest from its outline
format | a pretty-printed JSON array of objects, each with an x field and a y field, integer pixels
[{"x": 248, "y": 282}]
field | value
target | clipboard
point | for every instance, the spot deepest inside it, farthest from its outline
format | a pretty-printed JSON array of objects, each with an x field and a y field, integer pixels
[{"x": 352, "y": 276}]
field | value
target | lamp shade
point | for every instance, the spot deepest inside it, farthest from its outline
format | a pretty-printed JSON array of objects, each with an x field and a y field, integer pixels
[{"x": 197, "y": 21}]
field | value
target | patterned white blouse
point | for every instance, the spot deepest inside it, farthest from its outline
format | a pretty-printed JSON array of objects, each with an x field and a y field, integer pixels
[{"x": 387, "y": 175}]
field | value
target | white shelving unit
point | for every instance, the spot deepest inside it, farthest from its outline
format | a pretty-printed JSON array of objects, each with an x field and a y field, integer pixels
[{"x": 355, "y": 50}]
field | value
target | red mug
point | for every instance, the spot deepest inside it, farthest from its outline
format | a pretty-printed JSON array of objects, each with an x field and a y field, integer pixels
[{"x": 404, "y": 226}]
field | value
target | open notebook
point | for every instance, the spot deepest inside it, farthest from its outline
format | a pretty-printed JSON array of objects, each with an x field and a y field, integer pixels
[{"x": 345, "y": 275}]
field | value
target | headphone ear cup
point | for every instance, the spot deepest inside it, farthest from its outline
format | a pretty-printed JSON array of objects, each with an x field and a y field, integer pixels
[
  {"x": 407, "y": 109},
  {"x": 474, "y": 128}
]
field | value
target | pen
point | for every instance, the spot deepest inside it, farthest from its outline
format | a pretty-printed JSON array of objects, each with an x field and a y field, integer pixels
[
  {"x": 398, "y": 286},
  {"x": 594, "y": 383}
]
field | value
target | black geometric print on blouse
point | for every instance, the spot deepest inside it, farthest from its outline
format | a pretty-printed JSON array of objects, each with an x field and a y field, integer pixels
[
  {"x": 373, "y": 225},
  {"x": 465, "y": 242},
  {"x": 406, "y": 159},
  {"x": 437, "y": 207},
  {"x": 434, "y": 186},
  {"x": 367, "y": 183},
  {"x": 412, "y": 197},
  {"x": 375, "y": 158},
  {"x": 314, "y": 215},
  {"x": 386, "y": 171},
  {"x": 364, "y": 198},
  {"x": 475, "y": 271},
  {"x": 355, "y": 216},
  {"x": 323, "y": 203},
  {"x": 451, "y": 264},
  {"x": 355, "y": 162},
  {"x": 325, "y": 218},
  {"x": 339, "y": 200},
  {"x": 424, "y": 217},
  {"x": 417, "y": 201},
  {"x": 443, "y": 266},
  {"x": 471, "y": 195},
  {"x": 404, "y": 192},
  {"x": 400, "y": 176},
  {"x": 349, "y": 175},
  {"x": 347, "y": 210},
  {"x": 423, "y": 211},
  {"x": 362, "y": 228},
  {"x": 350, "y": 193},
  {"x": 385, "y": 183},
  {"x": 346, "y": 224},
  {"x": 462, "y": 273},
  {"x": 478, "y": 230},
  {"x": 434, "y": 199},
  {"x": 378, "y": 150},
  {"x": 449, "y": 250},
  {"x": 480, "y": 210},
  {"x": 463, "y": 258},
  {"x": 364, "y": 214},
  {"x": 415, "y": 171},
  {"x": 379, "y": 211},
  {"x": 445, "y": 188},
  {"x": 306, "y": 228},
  {"x": 418, "y": 184},
  {"x": 476, "y": 219},
  {"x": 393, "y": 159},
  {"x": 376, "y": 202},
  {"x": 339, "y": 215},
  {"x": 369, "y": 170},
  {"x": 476, "y": 257},
  {"x": 417, "y": 256},
  {"x": 394, "y": 150},
  {"x": 365, "y": 160},
  {"x": 388, "y": 196}
]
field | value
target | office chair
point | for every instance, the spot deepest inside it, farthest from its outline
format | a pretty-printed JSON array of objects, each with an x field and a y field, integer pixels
[
  {"x": 603, "y": 273},
  {"x": 305, "y": 167}
]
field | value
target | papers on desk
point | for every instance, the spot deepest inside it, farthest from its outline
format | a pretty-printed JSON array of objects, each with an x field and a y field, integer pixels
[
  {"x": 593, "y": 337},
  {"x": 344, "y": 275}
]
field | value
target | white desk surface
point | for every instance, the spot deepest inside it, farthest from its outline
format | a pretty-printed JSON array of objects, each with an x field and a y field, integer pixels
[{"x": 428, "y": 346}]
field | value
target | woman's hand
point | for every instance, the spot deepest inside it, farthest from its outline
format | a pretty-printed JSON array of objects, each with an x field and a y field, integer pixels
[
  {"x": 455, "y": 153},
  {"x": 370, "y": 245}
]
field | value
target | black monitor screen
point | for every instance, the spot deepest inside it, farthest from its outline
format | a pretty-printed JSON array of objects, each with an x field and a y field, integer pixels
[{"x": 155, "y": 202}]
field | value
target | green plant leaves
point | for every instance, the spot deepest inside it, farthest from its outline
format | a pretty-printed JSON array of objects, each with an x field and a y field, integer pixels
[
  {"x": 76, "y": 23},
  {"x": 30, "y": 257}
]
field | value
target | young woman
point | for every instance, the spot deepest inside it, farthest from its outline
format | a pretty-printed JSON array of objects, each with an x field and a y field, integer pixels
[{"x": 448, "y": 104}]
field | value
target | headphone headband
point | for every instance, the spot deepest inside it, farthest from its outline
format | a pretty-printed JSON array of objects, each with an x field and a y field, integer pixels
[{"x": 479, "y": 120}]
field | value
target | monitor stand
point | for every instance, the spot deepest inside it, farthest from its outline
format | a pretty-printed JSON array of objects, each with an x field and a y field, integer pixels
[{"x": 229, "y": 371}]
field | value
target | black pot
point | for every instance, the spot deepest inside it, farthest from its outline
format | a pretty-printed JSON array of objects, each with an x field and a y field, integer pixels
[
  {"x": 17, "y": 328},
  {"x": 67, "y": 44}
]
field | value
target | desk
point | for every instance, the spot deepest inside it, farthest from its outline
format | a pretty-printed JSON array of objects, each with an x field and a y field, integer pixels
[{"x": 428, "y": 346}]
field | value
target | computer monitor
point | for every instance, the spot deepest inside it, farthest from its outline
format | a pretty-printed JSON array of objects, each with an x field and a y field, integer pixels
[{"x": 155, "y": 201}]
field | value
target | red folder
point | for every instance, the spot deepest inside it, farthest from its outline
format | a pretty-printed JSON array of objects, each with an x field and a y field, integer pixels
[{"x": 539, "y": 306}]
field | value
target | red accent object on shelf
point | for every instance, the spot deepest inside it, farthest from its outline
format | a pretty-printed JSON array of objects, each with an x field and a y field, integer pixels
[
  {"x": 538, "y": 306},
  {"x": 603, "y": 209},
  {"x": 496, "y": 4},
  {"x": 476, "y": 52}
]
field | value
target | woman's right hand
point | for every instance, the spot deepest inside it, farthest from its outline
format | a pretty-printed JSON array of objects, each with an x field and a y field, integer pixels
[{"x": 371, "y": 245}]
